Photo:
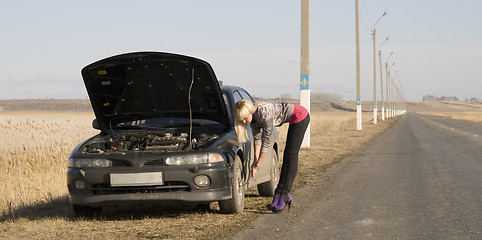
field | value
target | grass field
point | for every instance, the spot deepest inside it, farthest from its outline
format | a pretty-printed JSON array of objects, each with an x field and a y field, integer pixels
[
  {"x": 33, "y": 155},
  {"x": 470, "y": 112},
  {"x": 471, "y": 117}
]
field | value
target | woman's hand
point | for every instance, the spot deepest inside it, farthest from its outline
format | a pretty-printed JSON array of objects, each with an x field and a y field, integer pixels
[
  {"x": 257, "y": 162},
  {"x": 254, "y": 169}
]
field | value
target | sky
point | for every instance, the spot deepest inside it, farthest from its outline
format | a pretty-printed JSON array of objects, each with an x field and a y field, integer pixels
[{"x": 436, "y": 44}]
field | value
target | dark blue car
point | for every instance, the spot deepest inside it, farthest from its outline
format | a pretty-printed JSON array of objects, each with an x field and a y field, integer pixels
[{"x": 166, "y": 137}]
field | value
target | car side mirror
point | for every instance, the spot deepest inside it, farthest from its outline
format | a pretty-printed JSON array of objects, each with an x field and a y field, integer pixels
[{"x": 95, "y": 124}]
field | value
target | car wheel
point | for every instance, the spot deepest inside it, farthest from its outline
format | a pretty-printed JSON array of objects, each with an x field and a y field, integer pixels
[
  {"x": 236, "y": 203},
  {"x": 267, "y": 189},
  {"x": 86, "y": 211}
]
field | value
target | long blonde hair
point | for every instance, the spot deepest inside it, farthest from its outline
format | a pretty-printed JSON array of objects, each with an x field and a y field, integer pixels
[{"x": 241, "y": 110}]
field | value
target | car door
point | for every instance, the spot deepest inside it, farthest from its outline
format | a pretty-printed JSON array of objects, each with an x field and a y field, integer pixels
[{"x": 265, "y": 166}]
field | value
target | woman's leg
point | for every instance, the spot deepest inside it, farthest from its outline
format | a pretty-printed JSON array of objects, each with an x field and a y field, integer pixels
[{"x": 289, "y": 169}]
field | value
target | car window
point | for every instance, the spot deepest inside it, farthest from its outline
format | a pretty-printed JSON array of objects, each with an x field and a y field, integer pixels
[
  {"x": 237, "y": 96},
  {"x": 246, "y": 96},
  {"x": 241, "y": 94}
]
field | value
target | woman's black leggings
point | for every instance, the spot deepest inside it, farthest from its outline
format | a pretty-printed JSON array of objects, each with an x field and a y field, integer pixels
[{"x": 296, "y": 133}]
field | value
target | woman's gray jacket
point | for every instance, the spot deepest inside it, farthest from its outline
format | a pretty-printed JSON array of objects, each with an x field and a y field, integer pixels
[{"x": 267, "y": 116}]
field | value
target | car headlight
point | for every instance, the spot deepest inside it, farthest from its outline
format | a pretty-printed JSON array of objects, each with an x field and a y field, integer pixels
[
  {"x": 194, "y": 159},
  {"x": 89, "y": 163}
]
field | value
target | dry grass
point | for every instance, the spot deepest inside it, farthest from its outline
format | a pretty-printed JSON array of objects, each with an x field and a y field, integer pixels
[
  {"x": 34, "y": 201},
  {"x": 33, "y": 154},
  {"x": 472, "y": 117},
  {"x": 423, "y": 107},
  {"x": 463, "y": 111},
  {"x": 324, "y": 122}
]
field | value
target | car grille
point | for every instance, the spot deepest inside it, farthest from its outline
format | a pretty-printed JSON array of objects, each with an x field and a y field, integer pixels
[
  {"x": 120, "y": 163},
  {"x": 104, "y": 189},
  {"x": 156, "y": 162}
]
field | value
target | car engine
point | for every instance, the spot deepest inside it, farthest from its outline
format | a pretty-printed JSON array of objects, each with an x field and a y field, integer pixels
[{"x": 151, "y": 142}]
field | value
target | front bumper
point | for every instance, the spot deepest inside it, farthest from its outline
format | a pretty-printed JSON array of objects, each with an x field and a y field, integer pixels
[
  {"x": 178, "y": 187},
  {"x": 151, "y": 198}
]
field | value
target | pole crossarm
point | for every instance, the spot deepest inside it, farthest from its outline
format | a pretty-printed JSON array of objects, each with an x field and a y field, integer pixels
[{"x": 384, "y": 14}]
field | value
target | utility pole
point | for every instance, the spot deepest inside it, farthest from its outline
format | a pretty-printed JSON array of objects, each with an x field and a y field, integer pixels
[
  {"x": 389, "y": 99},
  {"x": 358, "y": 95},
  {"x": 388, "y": 85},
  {"x": 381, "y": 83},
  {"x": 387, "y": 75},
  {"x": 384, "y": 102},
  {"x": 375, "y": 108},
  {"x": 305, "y": 64},
  {"x": 389, "y": 96}
]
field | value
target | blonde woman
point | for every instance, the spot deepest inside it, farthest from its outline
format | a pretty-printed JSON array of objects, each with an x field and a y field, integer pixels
[{"x": 262, "y": 118}]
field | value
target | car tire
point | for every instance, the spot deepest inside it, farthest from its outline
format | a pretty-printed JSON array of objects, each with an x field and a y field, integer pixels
[
  {"x": 236, "y": 203},
  {"x": 86, "y": 211},
  {"x": 267, "y": 189}
]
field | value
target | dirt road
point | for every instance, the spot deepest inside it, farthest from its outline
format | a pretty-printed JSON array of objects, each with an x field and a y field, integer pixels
[{"x": 420, "y": 179}]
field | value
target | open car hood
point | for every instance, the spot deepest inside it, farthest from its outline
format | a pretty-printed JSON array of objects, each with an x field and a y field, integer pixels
[{"x": 145, "y": 85}]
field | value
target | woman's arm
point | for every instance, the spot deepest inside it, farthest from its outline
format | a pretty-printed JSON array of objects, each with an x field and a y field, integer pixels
[
  {"x": 264, "y": 121},
  {"x": 258, "y": 158}
]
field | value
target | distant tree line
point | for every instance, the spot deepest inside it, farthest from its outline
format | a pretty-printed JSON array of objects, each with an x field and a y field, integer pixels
[
  {"x": 473, "y": 99},
  {"x": 450, "y": 99},
  {"x": 443, "y": 98}
]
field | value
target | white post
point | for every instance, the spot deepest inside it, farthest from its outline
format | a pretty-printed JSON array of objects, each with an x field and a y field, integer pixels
[
  {"x": 358, "y": 95},
  {"x": 305, "y": 64}
]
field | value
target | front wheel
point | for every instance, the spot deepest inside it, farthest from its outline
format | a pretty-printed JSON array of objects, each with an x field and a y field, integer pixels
[{"x": 236, "y": 203}]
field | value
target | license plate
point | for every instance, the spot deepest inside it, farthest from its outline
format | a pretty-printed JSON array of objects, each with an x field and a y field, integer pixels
[{"x": 136, "y": 179}]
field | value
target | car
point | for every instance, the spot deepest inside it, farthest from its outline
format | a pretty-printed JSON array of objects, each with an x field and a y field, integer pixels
[{"x": 166, "y": 137}]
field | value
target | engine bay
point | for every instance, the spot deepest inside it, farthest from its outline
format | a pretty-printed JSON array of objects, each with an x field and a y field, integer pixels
[{"x": 148, "y": 142}]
